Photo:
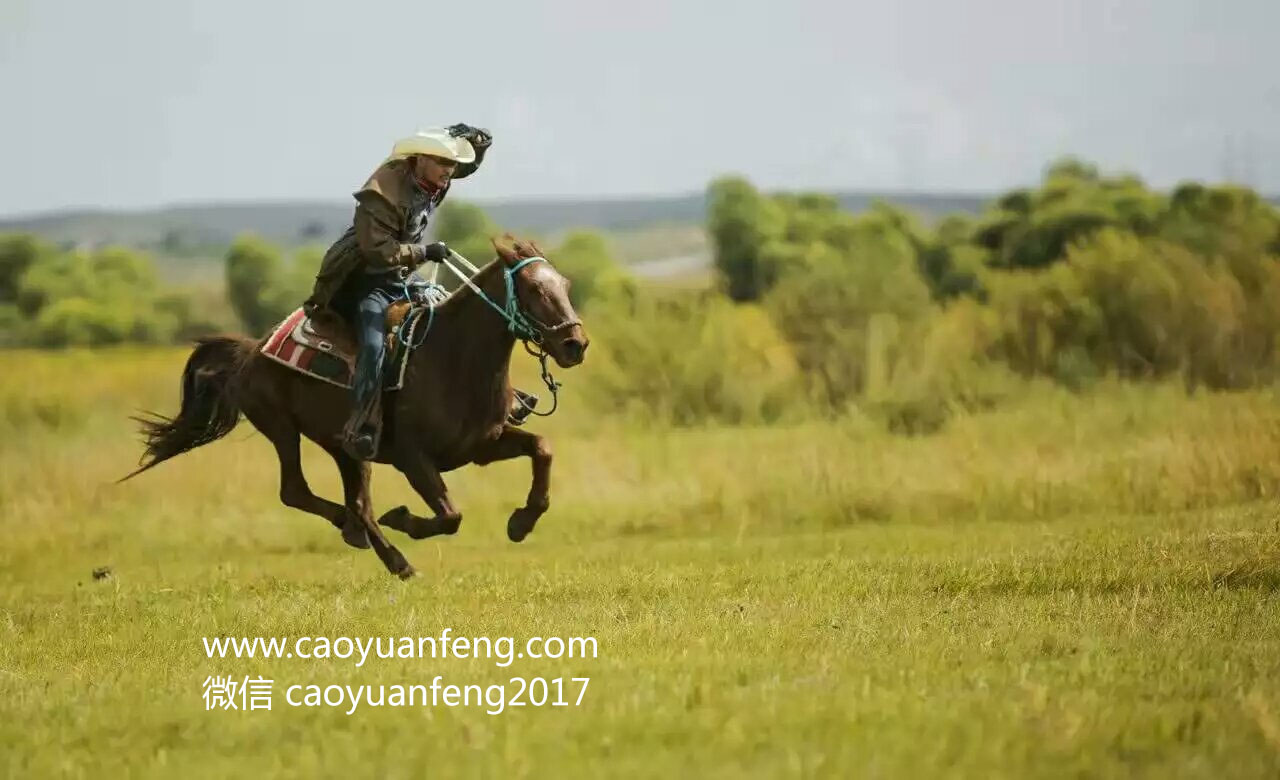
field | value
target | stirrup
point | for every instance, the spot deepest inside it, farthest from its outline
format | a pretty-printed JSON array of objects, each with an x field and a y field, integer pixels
[
  {"x": 361, "y": 444},
  {"x": 522, "y": 408}
]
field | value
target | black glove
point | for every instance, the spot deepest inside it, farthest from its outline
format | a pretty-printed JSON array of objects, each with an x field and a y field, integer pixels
[
  {"x": 478, "y": 136},
  {"x": 435, "y": 252}
]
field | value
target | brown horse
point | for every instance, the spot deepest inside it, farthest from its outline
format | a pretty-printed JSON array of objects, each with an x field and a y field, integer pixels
[{"x": 451, "y": 410}]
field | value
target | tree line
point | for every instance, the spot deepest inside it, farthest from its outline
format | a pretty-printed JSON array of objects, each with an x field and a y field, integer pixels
[
  {"x": 59, "y": 297},
  {"x": 1084, "y": 277},
  {"x": 51, "y": 297},
  {"x": 814, "y": 309}
]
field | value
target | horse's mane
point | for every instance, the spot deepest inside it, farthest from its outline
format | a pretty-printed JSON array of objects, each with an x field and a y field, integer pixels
[{"x": 523, "y": 249}]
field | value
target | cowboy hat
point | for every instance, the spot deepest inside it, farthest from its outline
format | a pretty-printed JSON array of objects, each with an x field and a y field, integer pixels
[{"x": 437, "y": 142}]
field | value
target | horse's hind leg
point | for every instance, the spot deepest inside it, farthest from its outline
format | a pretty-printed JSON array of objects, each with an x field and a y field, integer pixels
[
  {"x": 294, "y": 490},
  {"x": 355, "y": 486},
  {"x": 355, "y": 491}
]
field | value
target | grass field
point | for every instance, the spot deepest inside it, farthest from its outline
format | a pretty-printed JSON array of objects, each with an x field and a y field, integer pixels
[{"x": 1067, "y": 586}]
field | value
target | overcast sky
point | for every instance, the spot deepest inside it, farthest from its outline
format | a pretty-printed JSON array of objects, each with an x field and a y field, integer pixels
[{"x": 144, "y": 102}]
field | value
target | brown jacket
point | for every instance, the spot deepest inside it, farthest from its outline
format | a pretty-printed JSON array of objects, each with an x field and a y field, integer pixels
[{"x": 386, "y": 232}]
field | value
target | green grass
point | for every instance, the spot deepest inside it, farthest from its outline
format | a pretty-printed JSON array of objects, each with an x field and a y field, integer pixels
[{"x": 1078, "y": 586}]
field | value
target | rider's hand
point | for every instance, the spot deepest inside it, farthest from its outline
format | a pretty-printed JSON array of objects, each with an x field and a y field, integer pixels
[
  {"x": 423, "y": 253},
  {"x": 435, "y": 252},
  {"x": 478, "y": 136}
]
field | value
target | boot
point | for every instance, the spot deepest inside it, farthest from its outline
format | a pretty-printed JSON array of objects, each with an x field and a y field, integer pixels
[
  {"x": 522, "y": 407},
  {"x": 359, "y": 439},
  {"x": 361, "y": 433}
]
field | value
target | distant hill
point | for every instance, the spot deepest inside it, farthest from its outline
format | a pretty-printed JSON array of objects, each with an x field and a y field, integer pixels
[{"x": 176, "y": 230}]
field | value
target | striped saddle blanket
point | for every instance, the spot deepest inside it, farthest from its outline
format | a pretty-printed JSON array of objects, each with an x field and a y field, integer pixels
[{"x": 326, "y": 350}]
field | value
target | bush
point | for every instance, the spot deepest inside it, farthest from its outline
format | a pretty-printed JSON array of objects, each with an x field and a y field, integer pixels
[
  {"x": 79, "y": 322},
  {"x": 688, "y": 358},
  {"x": 848, "y": 316},
  {"x": 79, "y": 298},
  {"x": 1141, "y": 309},
  {"x": 945, "y": 369}
]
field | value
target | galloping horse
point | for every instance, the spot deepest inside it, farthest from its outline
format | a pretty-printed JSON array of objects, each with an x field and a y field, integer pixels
[{"x": 451, "y": 410}]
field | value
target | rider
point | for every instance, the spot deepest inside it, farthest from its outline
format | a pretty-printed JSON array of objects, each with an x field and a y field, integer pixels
[{"x": 366, "y": 270}]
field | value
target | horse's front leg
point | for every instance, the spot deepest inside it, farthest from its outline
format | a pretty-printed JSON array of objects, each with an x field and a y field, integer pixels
[
  {"x": 513, "y": 443},
  {"x": 425, "y": 478}
]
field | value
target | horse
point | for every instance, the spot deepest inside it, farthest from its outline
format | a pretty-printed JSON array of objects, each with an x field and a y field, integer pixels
[{"x": 451, "y": 410}]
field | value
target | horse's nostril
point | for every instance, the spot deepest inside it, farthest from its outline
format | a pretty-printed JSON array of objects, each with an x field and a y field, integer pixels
[{"x": 573, "y": 349}]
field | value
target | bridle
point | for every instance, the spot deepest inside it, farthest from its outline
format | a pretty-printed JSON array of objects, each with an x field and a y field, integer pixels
[
  {"x": 524, "y": 325},
  {"x": 531, "y": 331}
]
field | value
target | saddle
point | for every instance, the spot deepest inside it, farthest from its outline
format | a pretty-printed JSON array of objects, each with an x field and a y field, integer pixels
[{"x": 323, "y": 346}]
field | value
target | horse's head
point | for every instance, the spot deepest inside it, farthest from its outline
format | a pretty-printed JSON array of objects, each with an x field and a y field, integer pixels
[{"x": 544, "y": 297}]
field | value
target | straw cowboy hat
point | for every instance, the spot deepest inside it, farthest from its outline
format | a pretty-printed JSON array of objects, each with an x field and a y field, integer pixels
[{"x": 436, "y": 142}]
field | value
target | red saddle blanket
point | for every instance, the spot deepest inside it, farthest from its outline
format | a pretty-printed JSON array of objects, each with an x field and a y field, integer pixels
[{"x": 327, "y": 351}]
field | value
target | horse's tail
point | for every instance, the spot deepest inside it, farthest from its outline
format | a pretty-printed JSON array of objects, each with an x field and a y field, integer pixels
[{"x": 209, "y": 409}]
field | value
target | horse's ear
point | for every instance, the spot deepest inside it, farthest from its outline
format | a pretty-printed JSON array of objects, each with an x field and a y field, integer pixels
[{"x": 505, "y": 252}]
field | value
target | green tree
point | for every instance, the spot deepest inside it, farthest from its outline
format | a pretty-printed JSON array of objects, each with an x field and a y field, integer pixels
[
  {"x": 1071, "y": 169},
  {"x": 17, "y": 254},
  {"x": 254, "y": 274},
  {"x": 950, "y": 265},
  {"x": 1223, "y": 220},
  {"x": 296, "y": 281},
  {"x": 741, "y": 222},
  {"x": 1028, "y": 229},
  {"x": 55, "y": 277},
  {"x": 466, "y": 228}
]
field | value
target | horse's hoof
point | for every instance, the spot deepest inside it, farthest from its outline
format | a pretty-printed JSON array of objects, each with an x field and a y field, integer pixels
[
  {"x": 407, "y": 573},
  {"x": 519, "y": 525},
  {"x": 397, "y": 518},
  {"x": 355, "y": 534}
]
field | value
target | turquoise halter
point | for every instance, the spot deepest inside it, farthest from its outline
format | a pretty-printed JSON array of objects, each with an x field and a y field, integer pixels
[
  {"x": 517, "y": 321},
  {"x": 524, "y": 326}
]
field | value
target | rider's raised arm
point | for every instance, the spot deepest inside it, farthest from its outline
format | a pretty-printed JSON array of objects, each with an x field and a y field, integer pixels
[
  {"x": 480, "y": 140},
  {"x": 466, "y": 169},
  {"x": 377, "y": 224}
]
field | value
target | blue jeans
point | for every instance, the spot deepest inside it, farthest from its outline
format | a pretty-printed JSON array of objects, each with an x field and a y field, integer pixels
[{"x": 363, "y": 301}]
